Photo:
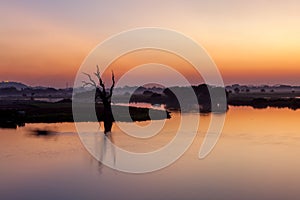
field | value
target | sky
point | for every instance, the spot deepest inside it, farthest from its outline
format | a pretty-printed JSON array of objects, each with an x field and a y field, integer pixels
[{"x": 251, "y": 42}]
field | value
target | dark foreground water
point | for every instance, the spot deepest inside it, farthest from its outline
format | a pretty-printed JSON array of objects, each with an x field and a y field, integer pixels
[{"x": 256, "y": 157}]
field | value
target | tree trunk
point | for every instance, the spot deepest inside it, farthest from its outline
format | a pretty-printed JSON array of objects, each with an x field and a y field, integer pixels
[{"x": 108, "y": 117}]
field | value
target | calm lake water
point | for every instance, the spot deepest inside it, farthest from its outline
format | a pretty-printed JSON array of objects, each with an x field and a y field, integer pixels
[{"x": 256, "y": 157}]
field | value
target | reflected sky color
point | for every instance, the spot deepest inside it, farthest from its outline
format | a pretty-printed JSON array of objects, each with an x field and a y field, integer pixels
[
  {"x": 257, "y": 157},
  {"x": 44, "y": 42}
]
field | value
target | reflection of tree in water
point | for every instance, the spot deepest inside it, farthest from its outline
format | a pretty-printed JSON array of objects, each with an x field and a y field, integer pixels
[
  {"x": 104, "y": 148},
  {"x": 103, "y": 142}
]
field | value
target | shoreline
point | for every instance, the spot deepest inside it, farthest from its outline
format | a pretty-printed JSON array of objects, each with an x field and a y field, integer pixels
[{"x": 17, "y": 113}]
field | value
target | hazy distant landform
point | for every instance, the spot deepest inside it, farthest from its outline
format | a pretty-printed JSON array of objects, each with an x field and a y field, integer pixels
[
  {"x": 23, "y": 104},
  {"x": 237, "y": 95}
]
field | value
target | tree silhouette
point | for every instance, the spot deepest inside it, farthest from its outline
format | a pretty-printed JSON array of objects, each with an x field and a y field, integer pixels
[
  {"x": 104, "y": 96},
  {"x": 237, "y": 90}
]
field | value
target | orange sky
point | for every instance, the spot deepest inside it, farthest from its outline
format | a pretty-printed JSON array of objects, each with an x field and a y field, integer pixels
[{"x": 257, "y": 42}]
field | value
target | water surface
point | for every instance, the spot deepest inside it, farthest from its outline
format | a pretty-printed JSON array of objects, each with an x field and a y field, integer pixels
[{"x": 256, "y": 157}]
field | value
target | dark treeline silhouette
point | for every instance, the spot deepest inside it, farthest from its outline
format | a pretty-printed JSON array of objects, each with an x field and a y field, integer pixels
[
  {"x": 255, "y": 96},
  {"x": 170, "y": 97},
  {"x": 203, "y": 94},
  {"x": 31, "y": 93},
  {"x": 261, "y": 103}
]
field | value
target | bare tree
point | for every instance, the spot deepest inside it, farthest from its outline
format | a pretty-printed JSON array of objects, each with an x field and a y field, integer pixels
[{"x": 104, "y": 96}]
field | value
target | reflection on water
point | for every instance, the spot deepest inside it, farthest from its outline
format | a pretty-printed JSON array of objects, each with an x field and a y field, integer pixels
[
  {"x": 52, "y": 100},
  {"x": 42, "y": 132},
  {"x": 103, "y": 143},
  {"x": 257, "y": 157},
  {"x": 143, "y": 105}
]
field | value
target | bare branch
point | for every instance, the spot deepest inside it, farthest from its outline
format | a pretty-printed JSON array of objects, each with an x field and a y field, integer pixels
[
  {"x": 92, "y": 82},
  {"x": 98, "y": 75},
  {"x": 100, "y": 89},
  {"x": 87, "y": 83}
]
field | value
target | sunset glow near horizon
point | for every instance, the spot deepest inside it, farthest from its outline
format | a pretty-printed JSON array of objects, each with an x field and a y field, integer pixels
[{"x": 257, "y": 42}]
